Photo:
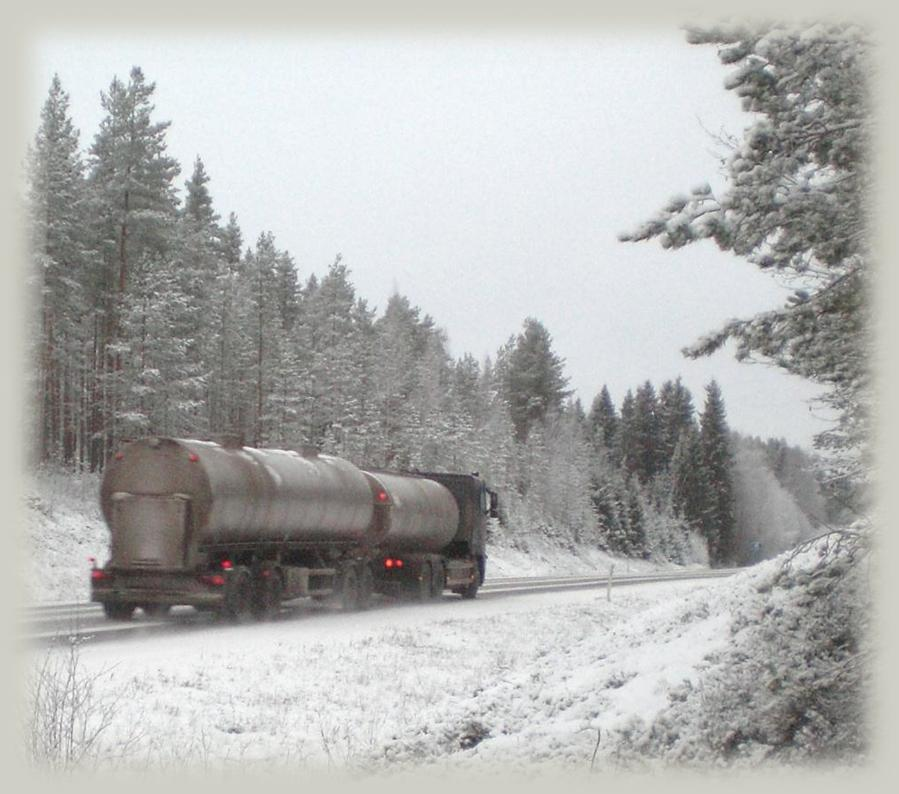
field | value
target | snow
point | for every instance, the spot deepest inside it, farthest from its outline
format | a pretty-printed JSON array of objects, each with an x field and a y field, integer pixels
[{"x": 576, "y": 681}]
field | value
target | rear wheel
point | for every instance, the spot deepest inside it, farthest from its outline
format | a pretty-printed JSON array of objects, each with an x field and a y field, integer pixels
[
  {"x": 469, "y": 591},
  {"x": 349, "y": 589},
  {"x": 238, "y": 596},
  {"x": 117, "y": 611},
  {"x": 438, "y": 581},
  {"x": 267, "y": 595},
  {"x": 419, "y": 588},
  {"x": 366, "y": 587}
]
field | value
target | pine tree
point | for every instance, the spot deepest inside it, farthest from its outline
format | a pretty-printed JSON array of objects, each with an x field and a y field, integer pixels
[
  {"x": 536, "y": 384},
  {"x": 675, "y": 410},
  {"x": 718, "y": 464},
  {"x": 603, "y": 419},
  {"x": 645, "y": 433},
  {"x": 690, "y": 486},
  {"x": 133, "y": 208},
  {"x": 56, "y": 215}
]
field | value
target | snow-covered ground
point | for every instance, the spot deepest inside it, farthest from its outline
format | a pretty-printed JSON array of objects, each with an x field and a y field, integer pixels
[{"x": 703, "y": 674}]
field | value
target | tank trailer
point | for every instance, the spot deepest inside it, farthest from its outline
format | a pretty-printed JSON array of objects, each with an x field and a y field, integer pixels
[{"x": 238, "y": 530}]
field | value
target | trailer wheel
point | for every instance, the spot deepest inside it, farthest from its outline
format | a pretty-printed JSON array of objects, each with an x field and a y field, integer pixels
[
  {"x": 469, "y": 591},
  {"x": 420, "y": 588},
  {"x": 267, "y": 595},
  {"x": 438, "y": 581},
  {"x": 349, "y": 589},
  {"x": 116, "y": 611},
  {"x": 366, "y": 587},
  {"x": 238, "y": 596}
]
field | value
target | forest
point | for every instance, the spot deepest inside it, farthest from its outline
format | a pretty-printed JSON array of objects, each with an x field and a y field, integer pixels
[{"x": 152, "y": 315}]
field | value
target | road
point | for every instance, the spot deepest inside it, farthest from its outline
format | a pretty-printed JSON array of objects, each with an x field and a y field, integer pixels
[{"x": 54, "y": 623}]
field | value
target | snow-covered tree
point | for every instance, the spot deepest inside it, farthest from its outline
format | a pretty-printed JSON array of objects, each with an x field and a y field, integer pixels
[
  {"x": 767, "y": 519},
  {"x": 132, "y": 208},
  {"x": 717, "y": 459},
  {"x": 56, "y": 218},
  {"x": 675, "y": 411},
  {"x": 603, "y": 420},
  {"x": 795, "y": 204},
  {"x": 536, "y": 383}
]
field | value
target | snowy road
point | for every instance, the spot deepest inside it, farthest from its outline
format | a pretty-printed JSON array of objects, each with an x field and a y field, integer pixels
[
  {"x": 536, "y": 677},
  {"x": 62, "y": 622}
]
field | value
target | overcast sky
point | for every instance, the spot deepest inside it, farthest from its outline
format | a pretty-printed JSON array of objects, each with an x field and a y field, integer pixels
[{"x": 486, "y": 178}]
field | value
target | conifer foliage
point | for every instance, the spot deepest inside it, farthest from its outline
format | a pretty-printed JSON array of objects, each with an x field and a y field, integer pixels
[
  {"x": 153, "y": 319},
  {"x": 798, "y": 192}
]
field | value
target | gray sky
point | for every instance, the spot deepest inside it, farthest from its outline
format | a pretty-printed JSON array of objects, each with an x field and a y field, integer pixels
[{"x": 484, "y": 177}]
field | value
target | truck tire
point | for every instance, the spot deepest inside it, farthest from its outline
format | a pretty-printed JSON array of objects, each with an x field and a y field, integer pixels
[
  {"x": 438, "y": 581},
  {"x": 349, "y": 589},
  {"x": 470, "y": 590},
  {"x": 117, "y": 611},
  {"x": 366, "y": 587},
  {"x": 238, "y": 596},
  {"x": 420, "y": 588},
  {"x": 267, "y": 594}
]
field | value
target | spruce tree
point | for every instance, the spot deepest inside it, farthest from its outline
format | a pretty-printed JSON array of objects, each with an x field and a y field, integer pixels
[
  {"x": 536, "y": 384},
  {"x": 603, "y": 419},
  {"x": 796, "y": 203},
  {"x": 690, "y": 487},
  {"x": 645, "y": 433},
  {"x": 717, "y": 460},
  {"x": 675, "y": 410}
]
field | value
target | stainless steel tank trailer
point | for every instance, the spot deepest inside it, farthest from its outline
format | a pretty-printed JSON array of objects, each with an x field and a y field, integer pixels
[{"x": 240, "y": 530}]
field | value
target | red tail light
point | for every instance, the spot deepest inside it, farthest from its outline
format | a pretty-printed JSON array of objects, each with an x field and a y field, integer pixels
[
  {"x": 227, "y": 565},
  {"x": 399, "y": 563},
  {"x": 217, "y": 580},
  {"x": 193, "y": 457},
  {"x": 382, "y": 496},
  {"x": 388, "y": 563},
  {"x": 97, "y": 574},
  {"x": 392, "y": 562}
]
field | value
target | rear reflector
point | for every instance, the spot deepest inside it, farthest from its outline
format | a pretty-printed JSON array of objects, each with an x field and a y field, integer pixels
[
  {"x": 97, "y": 574},
  {"x": 217, "y": 580}
]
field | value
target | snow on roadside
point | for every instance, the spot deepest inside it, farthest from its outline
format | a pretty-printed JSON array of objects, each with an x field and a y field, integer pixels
[
  {"x": 714, "y": 674},
  {"x": 64, "y": 529},
  {"x": 458, "y": 684}
]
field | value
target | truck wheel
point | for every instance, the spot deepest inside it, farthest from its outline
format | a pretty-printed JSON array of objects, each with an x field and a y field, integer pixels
[
  {"x": 349, "y": 589},
  {"x": 470, "y": 590},
  {"x": 438, "y": 581},
  {"x": 366, "y": 587},
  {"x": 115, "y": 611},
  {"x": 419, "y": 589},
  {"x": 267, "y": 595},
  {"x": 238, "y": 596}
]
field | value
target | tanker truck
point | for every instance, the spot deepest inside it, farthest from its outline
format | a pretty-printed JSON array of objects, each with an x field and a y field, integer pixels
[{"x": 238, "y": 530}]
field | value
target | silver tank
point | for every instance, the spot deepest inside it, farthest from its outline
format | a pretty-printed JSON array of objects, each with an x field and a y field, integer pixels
[
  {"x": 239, "y": 494},
  {"x": 423, "y": 515}
]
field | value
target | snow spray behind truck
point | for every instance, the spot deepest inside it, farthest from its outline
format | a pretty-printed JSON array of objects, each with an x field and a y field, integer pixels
[{"x": 240, "y": 530}]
